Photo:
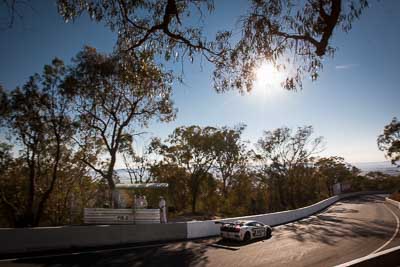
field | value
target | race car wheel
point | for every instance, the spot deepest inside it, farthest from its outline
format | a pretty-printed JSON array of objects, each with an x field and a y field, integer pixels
[{"x": 246, "y": 237}]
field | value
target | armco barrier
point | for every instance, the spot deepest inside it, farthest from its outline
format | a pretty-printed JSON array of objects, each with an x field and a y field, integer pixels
[{"x": 46, "y": 238}]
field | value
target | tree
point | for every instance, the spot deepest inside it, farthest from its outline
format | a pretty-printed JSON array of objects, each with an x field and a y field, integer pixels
[
  {"x": 178, "y": 184},
  {"x": 279, "y": 32},
  {"x": 159, "y": 27},
  {"x": 230, "y": 154},
  {"x": 190, "y": 148},
  {"x": 284, "y": 157},
  {"x": 389, "y": 141},
  {"x": 292, "y": 37},
  {"x": 74, "y": 190},
  {"x": 333, "y": 170},
  {"x": 137, "y": 166},
  {"x": 115, "y": 97},
  {"x": 36, "y": 117},
  {"x": 5, "y": 156}
]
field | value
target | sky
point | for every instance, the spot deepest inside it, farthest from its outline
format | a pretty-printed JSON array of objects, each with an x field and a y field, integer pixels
[{"x": 356, "y": 95}]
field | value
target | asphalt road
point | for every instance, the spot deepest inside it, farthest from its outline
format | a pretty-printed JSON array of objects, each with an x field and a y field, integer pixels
[{"x": 347, "y": 230}]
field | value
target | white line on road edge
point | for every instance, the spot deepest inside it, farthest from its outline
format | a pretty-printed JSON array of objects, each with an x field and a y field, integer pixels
[
  {"x": 394, "y": 234},
  {"x": 369, "y": 257}
]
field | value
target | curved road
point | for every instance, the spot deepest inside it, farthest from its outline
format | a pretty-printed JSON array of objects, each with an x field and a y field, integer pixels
[{"x": 348, "y": 230}]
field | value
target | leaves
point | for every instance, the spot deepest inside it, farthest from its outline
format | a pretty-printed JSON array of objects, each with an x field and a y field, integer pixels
[
  {"x": 389, "y": 141},
  {"x": 292, "y": 37},
  {"x": 115, "y": 97}
]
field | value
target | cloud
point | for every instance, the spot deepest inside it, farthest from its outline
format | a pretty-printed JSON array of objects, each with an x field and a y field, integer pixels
[{"x": 346, "y": 66}]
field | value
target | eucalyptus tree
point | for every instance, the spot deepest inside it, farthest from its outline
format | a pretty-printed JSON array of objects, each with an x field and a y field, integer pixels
[
  {"x": 283, "y": 156},
  {"x": 333, "y": 170},
  {"x": 389, "y": 141},
  {"x": 115, "y": 98},
  {"x": 230, "y": 153},
  {"x": 36, "y": 120},
  {"x": 193, "y": 149},
  {"x": 286, "y": 33}
]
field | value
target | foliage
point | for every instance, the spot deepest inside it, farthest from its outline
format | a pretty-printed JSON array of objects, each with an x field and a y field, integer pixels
[
  {"x": 230, "y": 153},
  {"x": 37, "y": 119},
  {"x": 178, "y": 184},
  {"x": 293, "y": 37},
  {"x": 333, "y": 170},
  {"x": 389, "y": 141},
  {"x": 115, "y": 98},
  {"x": 159, "y": 27},
  {"x": 284, "y": 174},
  {"x": 285, "y": 158},
  {"x": 281, "y": 32},
  {"x": 190, "y": 148}
]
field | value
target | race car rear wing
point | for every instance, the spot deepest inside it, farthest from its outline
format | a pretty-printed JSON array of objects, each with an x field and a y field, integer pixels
[{"x": 219, "y": 222}]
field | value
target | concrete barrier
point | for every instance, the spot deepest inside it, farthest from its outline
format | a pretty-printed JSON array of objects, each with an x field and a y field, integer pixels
[
  {"x": 199, "y": 229},
  {"x": 393, "y": 202},
  {"x": 47, "y": 238}
]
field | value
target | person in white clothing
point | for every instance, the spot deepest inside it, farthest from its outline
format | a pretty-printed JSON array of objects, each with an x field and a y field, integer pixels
[{"x": 163, "y": 210}]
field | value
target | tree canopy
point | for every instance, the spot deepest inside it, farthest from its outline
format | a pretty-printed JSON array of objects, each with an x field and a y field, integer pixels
[
  {"x": 115, "y": 98},
  {"x": 291, "y": 36},
  {"x": 36, "y": 119},
  {"x": 389, "y": 141}
]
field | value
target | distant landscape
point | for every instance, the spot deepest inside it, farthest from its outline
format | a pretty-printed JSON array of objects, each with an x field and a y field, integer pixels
[
  {"x": 385, "y": 167},
  {"x": 381, "y": 166}
]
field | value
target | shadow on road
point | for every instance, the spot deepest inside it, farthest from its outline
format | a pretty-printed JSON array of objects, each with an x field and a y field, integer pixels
[
  {"x": 170, "y": 255},
  {"x": 339, "y": 223},
  {"x": 229, "y": 244},
  {"x": 363, "y": 200}
]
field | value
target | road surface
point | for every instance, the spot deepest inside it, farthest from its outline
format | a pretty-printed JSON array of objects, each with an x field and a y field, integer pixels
[{"x": 348, "y": 230}]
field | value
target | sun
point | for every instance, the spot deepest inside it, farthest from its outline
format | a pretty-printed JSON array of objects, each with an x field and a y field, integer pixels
[{"x": 268, "y": 79}]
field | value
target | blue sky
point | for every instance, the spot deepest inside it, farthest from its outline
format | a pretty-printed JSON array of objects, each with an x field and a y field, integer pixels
[{"x": 355, "y": 96}]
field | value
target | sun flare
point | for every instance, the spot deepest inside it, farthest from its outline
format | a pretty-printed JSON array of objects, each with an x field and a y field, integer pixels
[{"x": 268, "y": 79}]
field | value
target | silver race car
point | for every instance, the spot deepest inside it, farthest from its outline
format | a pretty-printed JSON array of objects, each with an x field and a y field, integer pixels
[{"x": 245, "y": 230}]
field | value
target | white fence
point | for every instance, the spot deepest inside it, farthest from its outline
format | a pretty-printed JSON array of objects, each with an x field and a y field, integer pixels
[{"x": 121, "y": 216}]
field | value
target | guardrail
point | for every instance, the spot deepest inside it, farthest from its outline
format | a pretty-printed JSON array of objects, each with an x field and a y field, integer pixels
[{"x": 46, "y": 238}]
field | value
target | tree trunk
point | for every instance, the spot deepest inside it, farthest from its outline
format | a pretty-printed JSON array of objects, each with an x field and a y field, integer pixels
[
  {"x": 195, "y": 188},
  {"x": 28, "y": 218},
  {"x": 111, "y": 183},
  {"x": 54, "y": 177}
]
